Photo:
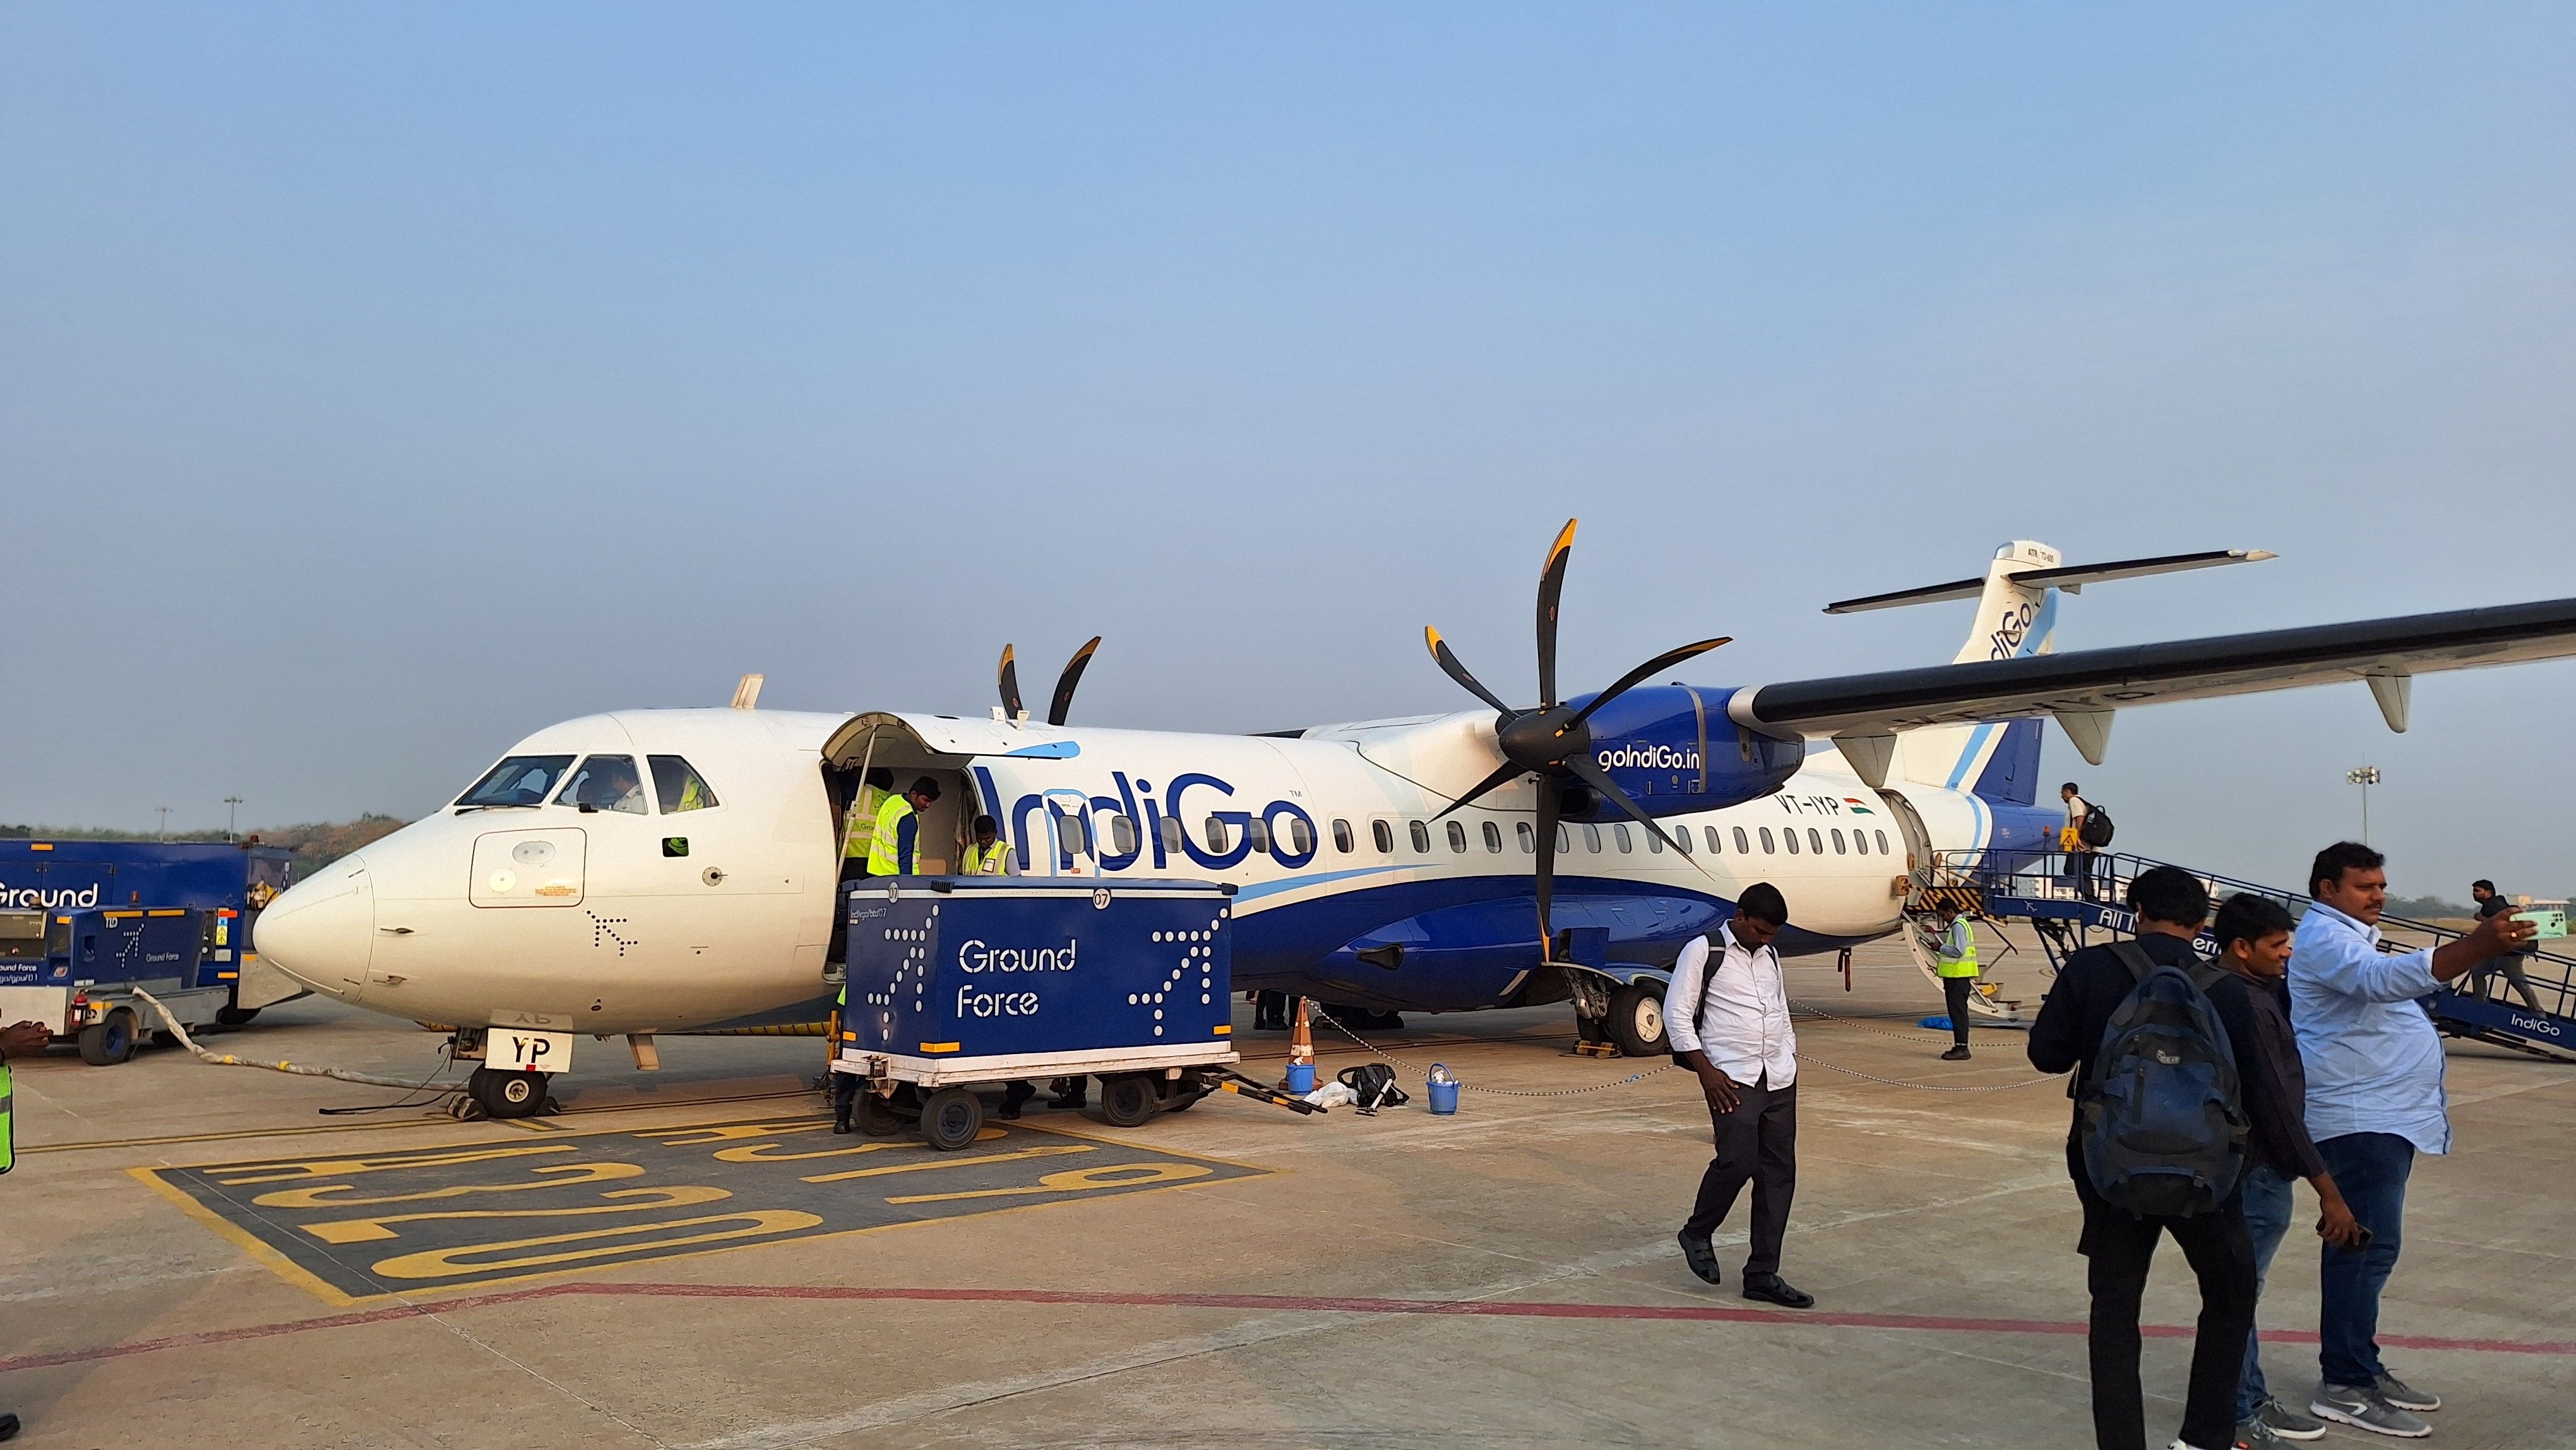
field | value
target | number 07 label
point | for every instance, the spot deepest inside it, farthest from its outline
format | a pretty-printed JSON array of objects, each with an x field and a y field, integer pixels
[{"x": 513, "y": 1050}]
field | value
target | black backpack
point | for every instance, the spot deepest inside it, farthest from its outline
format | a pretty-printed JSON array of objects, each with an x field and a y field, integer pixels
[
  {"x": 1372, "y": 1086},
  {"x": 2161, "y": 1117},
  {"x": 2097, "y": 827}
]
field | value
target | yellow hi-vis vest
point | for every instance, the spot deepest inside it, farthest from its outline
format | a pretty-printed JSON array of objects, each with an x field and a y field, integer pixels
[
  {"x": 882, "y": 860},
  {"x": 8, "y": 1142},
  {"x": 1965, "y": 965},
  {"x": 863, "y": 823},
  {"x": 993, "y": 860}
]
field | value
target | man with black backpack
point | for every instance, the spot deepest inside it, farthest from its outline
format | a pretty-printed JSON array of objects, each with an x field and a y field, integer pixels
[
  {"x": 2167, "y": 1088},
  {"x": 2088, "y": 830}
]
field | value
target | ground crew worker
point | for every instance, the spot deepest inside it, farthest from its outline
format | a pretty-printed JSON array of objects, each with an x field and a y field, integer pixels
[
  {"x": 24, "y": 1039},
  {"x": 990, "y": 855},
  {"x": 862, "y": 830},
  {"x": 893, "y": 844},
  {"x": 1954, "y": 960}
]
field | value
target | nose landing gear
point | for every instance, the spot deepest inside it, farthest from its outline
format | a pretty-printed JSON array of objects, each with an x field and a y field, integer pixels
[{"x": 505, "y": 1094}]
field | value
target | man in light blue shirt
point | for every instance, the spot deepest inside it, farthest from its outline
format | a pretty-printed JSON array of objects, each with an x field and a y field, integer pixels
[{"x": 2374, "y": 1065}]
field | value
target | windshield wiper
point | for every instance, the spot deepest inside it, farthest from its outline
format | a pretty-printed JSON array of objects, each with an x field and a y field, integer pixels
[{"x": 496, "y": 806}]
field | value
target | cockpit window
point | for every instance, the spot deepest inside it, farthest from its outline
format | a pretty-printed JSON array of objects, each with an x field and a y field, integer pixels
[
  {"x": 679, "y": 785},
  {"x": 605, "y": 783},
  {"x": 521, "y": 780}
]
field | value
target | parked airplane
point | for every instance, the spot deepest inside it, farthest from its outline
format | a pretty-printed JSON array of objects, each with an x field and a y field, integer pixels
[{"x": 675, "y": 871}]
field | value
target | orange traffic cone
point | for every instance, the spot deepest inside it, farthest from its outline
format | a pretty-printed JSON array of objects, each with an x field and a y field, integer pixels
[{"x": 1301, "y": 1053}]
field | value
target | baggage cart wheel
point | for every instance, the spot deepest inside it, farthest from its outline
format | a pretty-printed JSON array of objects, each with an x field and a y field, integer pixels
[
  {"x": 1636, "y": 1021},
  {"x": 109, "y": 1040},
  {"x": 1128, "y": 1099},
  {"x": 950, "y": 1118},
  {"x": 876, "y": 1116},
  {"x": 507, "y": 1094}
]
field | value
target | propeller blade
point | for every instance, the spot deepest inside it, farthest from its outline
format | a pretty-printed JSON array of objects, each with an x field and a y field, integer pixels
[
  {"x": 1599, "y": 779},
  {"x": 1551, "y": 584},
  {"x": 1072, "y": 676},
  {"x": 1456, "y": 671},
  {"x": 1502, "y": 776},
  {"x": 1011, "y": 707},
  {"x": 1546, "y": 877},
  {"x": 1647, "y": 671}
]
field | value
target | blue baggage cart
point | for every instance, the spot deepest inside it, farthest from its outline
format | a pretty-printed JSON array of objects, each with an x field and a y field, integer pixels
[{"x": 956, "y": 981}]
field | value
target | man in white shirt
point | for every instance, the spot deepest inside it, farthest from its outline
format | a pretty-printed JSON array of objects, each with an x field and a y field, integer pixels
[{"x": 1727, "y": 1016}]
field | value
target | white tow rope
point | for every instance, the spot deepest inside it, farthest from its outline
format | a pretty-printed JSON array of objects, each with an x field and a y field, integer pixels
[{"x": 226, "y": 1059}]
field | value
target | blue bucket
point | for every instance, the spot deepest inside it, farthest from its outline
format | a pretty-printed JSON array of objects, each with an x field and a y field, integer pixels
[
  {"x": 1301, "y": 1078},
  {"x": 1444, "y": 1096}
]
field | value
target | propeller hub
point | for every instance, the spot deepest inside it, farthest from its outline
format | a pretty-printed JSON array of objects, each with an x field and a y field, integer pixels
[{"x": 1543, "y": 740}]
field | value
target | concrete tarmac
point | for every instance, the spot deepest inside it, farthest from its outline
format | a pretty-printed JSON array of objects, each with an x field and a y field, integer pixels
[{"x": 1231, "y": 1275}]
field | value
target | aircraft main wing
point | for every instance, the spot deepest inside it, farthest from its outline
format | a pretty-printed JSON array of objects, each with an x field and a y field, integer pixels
[{"x": 2083, "y": 687}]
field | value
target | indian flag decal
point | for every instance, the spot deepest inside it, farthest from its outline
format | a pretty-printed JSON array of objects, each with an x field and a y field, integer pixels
[{"x": 1857, "y": 808}]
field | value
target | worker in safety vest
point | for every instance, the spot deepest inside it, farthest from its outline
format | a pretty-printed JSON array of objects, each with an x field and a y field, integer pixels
[
  {"x": 1954, "y": 960},
  {"x": 990, "y": 855},
  {"x": 861, "y": 831},
  {"x": 23, "y": 1040},
  {"x": 893, "y": 846}
]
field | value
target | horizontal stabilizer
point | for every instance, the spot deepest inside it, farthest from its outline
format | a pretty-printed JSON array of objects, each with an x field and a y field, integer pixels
[{"x": 2071, "y": 579}]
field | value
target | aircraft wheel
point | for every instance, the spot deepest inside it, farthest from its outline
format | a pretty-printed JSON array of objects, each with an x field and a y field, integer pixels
[
  {"x": 1636, "y": 1021},
  {"x": 876, "y": 1117},
  {"x": 108, "y": 1041},
  {"x": 507, "y": 1094},
  {"x": 235, "y": 1016},
  {"x": 950, "y": 1118},
  {"x": 1127, "y": 1100}
]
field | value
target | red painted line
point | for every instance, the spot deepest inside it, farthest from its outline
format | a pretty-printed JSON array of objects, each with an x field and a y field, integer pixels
[{"x": 1264, "y": 1303}]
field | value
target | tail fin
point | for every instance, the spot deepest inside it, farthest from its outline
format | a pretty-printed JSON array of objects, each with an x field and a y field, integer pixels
[{"x": 1997, "y": 760}]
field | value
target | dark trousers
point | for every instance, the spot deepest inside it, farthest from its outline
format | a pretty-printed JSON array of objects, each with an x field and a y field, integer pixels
[
  {"x": 1757, "y": 1143},
  {"x": 1955, "y": 992},
  {"x": 2371, "y": 1169},
  {"x": 2079, "y": 874},
  {"x": 2509, "y": 967},
  {"x": 2118, "y": 1246}
]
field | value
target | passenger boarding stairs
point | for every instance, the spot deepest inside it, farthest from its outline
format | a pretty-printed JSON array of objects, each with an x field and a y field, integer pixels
[{"x": 2043, "y": 893}]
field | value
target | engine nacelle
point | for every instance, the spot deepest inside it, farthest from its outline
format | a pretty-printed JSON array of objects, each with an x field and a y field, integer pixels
[{"x": 1673, "y": 750}]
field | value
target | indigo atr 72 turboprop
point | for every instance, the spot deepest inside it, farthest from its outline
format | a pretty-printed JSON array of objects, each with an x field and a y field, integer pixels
[{"x": 675, "y": 870}]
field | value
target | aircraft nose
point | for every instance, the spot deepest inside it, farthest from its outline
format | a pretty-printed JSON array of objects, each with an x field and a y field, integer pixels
[{"x": 322, "y": 931}]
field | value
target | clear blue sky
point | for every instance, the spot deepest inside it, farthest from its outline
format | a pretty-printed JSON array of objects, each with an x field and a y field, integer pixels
[{"x": 378, "y": 383}]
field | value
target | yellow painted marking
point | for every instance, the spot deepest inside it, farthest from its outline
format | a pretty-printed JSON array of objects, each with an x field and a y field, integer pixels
[
  {"x": 939, "y": 1047},
  {"x": 1077, "y": 1181},
  {"x": 761, "y": 1153},
  {"x": 440, "y": 1263},
  {"x": 694, "y": 1137},
  {"x": 944, "y": 1161},
  {"x": 370, "y": 1230},
  {"x": 342, "y": 1167},
  {"x": 249, "y": 1243},
  {"x": 326, "y": 1196}
]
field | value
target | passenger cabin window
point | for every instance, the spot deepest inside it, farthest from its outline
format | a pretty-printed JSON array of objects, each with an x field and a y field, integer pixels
[
  {"x": 1882, "y": 842},
  {"x": 1260, "y": 831},
  {"x": 1838, "y": 843},
  {"x": 1421, "y": 838},
  {"x": 521, "y": 780},
  {"x": 1815, "y": 843},
  {"x": 1744, "y": 847},
  {"x": 1564, "y": 842},
  {"x": 1171, "y": 834},
  {"x": 1341, "y": 836},
  {"x": 1458, "y": 836},
  {"x": 1493, "y": 837},
  {"x": 1766, "y": 840},
  {"x": 1122, "y": 835},
  {"x": 1216, "y": 835},
  {"x": 1074, "y": 834},
  {"x": 1655, "y": 841},
  {"x": 678, "y": 785},
  {"x": 1528, "y": 835},
  {"x": 1384, "y": 835},
  {"x": 1789, "y": 838},
  {"x": 1301, "y": 837},
  {"x": 1592, "y": 839},
  {"x": 605, "y": 783},
  {"x": 1619, "y": 834},
  {"x": 1716, "y": 842}
]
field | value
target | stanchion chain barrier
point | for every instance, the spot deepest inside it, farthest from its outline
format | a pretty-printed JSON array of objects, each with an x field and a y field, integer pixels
[
  {"x": 1634, "y": 1077},
  {"x": 1327, "y": 1017}
]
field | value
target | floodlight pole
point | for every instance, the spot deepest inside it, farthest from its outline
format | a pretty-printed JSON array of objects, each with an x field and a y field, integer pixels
[
  {"x": 163, "y": 833},
  {"x": 2364, "y": 776},
  {"x": 232, "y": 808}
]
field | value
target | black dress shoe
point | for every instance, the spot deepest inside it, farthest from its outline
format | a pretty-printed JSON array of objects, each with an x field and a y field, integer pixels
[
  {"x": 1956, "y": 1054},
  {"x": 1701, "y": 1255},
  {"x": 8, "y": 1427},
  {"x": 1772, "y": 1289}
]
